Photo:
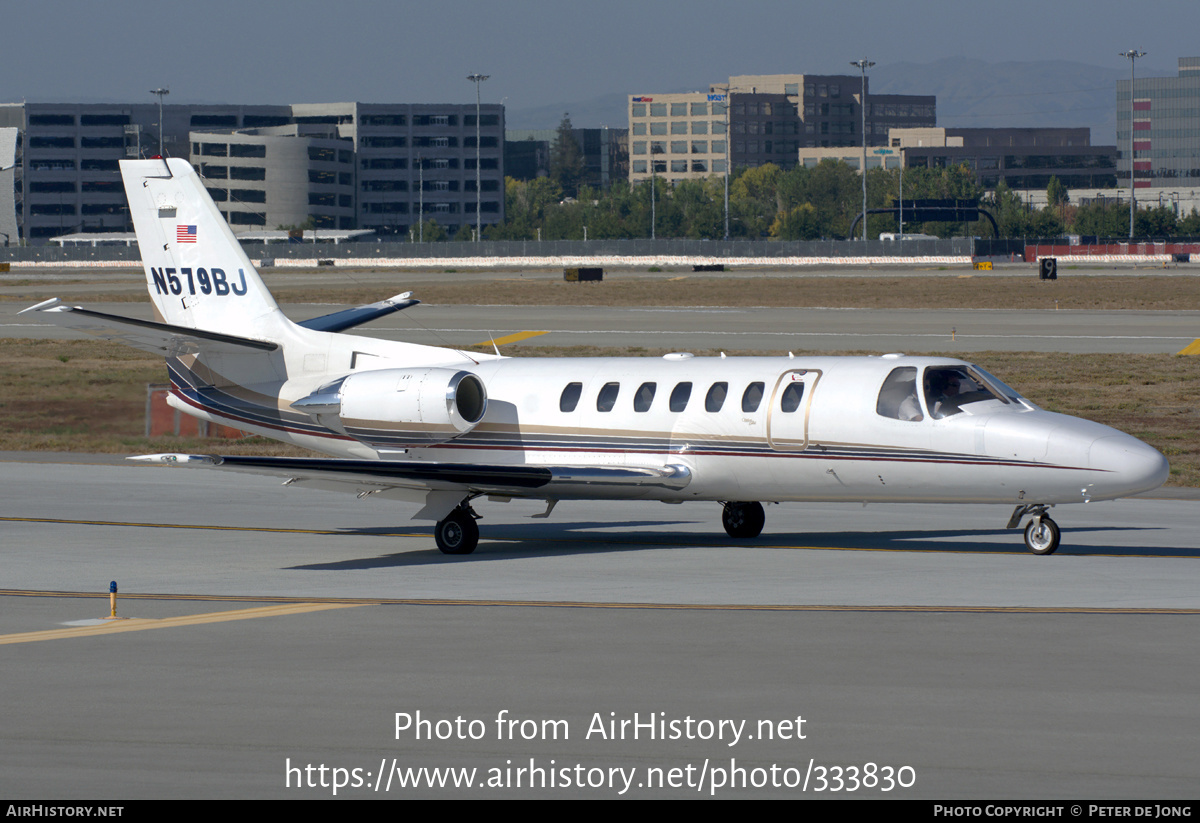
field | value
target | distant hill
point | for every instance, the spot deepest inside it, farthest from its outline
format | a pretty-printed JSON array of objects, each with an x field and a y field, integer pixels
[
  {"x": 970, "y": 93},
  {"x": 605, "y": 110},
  {"x": 979, "y": 94}
]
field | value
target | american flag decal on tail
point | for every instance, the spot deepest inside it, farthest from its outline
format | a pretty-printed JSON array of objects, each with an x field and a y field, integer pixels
[{"x": 185, "y": 234}]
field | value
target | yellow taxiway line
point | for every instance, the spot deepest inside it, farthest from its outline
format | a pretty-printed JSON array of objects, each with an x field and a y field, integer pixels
[
  {"x": 117, "y": 625},
  {"x": 300, "y": 605},
  {"x": 512, "y": 338},
  {"x": 1192, "y": 348}
]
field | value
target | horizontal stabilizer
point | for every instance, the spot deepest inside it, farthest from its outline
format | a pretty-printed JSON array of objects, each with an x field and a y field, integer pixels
[
  {"x": 349, "y": 318},
  {"x": 147, "y": 335}
]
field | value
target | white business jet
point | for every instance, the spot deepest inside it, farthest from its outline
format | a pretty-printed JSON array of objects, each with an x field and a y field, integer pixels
[{"x": 444, "y": 427}]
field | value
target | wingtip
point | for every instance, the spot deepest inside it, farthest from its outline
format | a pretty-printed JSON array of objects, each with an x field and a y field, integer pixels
[
  {"x": 43, "y": 306},
  {"x": 175, "y": 458}
]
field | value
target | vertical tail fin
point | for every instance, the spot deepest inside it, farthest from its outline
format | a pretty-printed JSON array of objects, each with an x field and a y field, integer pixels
[{"x": 197, "y": 273}]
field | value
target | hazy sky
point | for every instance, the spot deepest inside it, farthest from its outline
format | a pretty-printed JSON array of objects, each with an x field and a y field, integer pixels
[{"x": 536, "y": 51}]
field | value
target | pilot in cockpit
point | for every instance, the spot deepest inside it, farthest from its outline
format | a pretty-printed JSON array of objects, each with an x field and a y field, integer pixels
[{"x": 942, "y": 392}]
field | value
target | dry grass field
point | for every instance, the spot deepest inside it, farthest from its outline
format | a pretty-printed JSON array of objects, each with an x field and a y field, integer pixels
[{"x": 89, "y": 396}]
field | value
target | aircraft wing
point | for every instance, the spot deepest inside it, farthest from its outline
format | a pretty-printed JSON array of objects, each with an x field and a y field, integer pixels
[
  {"x": 421, "y": 479},
  {"x": 147, "y": 335}
]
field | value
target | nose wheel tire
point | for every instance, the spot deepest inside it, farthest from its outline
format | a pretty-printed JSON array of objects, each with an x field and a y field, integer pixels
[
  {"x": 457, "y": 534},
  {"x": 743, "y": 519},
  {"x": 1041, "y": 536}
]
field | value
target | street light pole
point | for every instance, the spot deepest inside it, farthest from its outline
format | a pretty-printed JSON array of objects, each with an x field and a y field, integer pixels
[
  {"x": 161, "y": 93},
  {"x": 726, "y": 90},
  {"x": 863, "y": 64},
  {"x": 653, "y": 216},
  {"x": 1133, "y": 55},
  {"x": 477, "y": 79}
]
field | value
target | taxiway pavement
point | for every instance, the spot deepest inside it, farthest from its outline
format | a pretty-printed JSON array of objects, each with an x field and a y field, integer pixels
[{"x": 271, "y": 630}]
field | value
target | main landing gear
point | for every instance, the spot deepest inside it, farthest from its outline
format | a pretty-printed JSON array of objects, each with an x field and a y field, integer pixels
[
  {"x": 1041, "y": 533},
  {"x": 743, "y": 519},
  {"x": 458, "y": 533}
]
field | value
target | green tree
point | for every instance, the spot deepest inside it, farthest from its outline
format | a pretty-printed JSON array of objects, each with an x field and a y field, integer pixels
[
  {"x": 1013, "y": 217},
  {"x": 835, "y": 189},
  {"x": 1056, "y": 193},
  {"x": 566, "y": 159},
  {"x": 1102, "y": 219},
  {"x": 754, "y": 200},
  {"x": 799, "y": 223},
  {"x": 430, "y": 231},
  {"x": 1190, "y": 225},
  {"x": 700, "y": 207},
  {"x": 1155, "y": 222}
]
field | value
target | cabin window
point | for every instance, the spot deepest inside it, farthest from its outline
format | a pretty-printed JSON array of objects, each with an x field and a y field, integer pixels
[
  {"x": 898, "y": 397},
  {"x": 679, "y": 396},
  {"x": 715, "y": 399},
  {"x": 644, "y": 397},
  {"x": 752, "y": 397},
  {"x": 791, "y": 397},
  {"x": 570, "y": 397},
  {"x": 607, "y": 397}
]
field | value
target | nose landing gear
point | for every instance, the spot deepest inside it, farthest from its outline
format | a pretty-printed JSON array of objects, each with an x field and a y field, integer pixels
[{"x": 1041, "y": 533}]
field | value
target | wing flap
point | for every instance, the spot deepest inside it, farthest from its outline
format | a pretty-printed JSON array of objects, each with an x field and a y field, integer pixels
[
  {"x": 374, "y": 474},
  {"x": 381, "y": 476}
]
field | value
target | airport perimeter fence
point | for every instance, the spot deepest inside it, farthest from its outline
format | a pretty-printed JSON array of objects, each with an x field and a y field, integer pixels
[{"x": 532, "y": 250}]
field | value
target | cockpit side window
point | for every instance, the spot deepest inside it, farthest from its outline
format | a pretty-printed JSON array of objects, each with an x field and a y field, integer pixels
[{"x": 898, "y": 397}]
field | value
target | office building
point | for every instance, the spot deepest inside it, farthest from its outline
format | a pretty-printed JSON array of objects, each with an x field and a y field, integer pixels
[
  {"x": 344, "y": 165},
  {"x": 759, "y": 119},
  {"x": 1166, "y": 143},
  {"x": 1024, "y": 158}
]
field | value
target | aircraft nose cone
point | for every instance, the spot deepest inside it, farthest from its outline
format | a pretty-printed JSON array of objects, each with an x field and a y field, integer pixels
[{"x": 1134, "y": 466}]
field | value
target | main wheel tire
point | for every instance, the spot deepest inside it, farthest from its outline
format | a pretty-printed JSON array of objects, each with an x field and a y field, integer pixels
[
  {"x": 457, "y": 534},
  {"x": 743, "y": 520},
  {"x": 1042, "y": 537}
]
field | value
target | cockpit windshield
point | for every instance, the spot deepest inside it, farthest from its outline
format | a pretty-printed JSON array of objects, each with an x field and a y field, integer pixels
[
  {"x": 999, "y": 387},
  {"x": 949, "y": 388}
]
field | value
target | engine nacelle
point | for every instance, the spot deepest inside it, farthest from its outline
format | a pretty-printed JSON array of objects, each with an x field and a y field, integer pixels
[{"x": 400, "y": 406}]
